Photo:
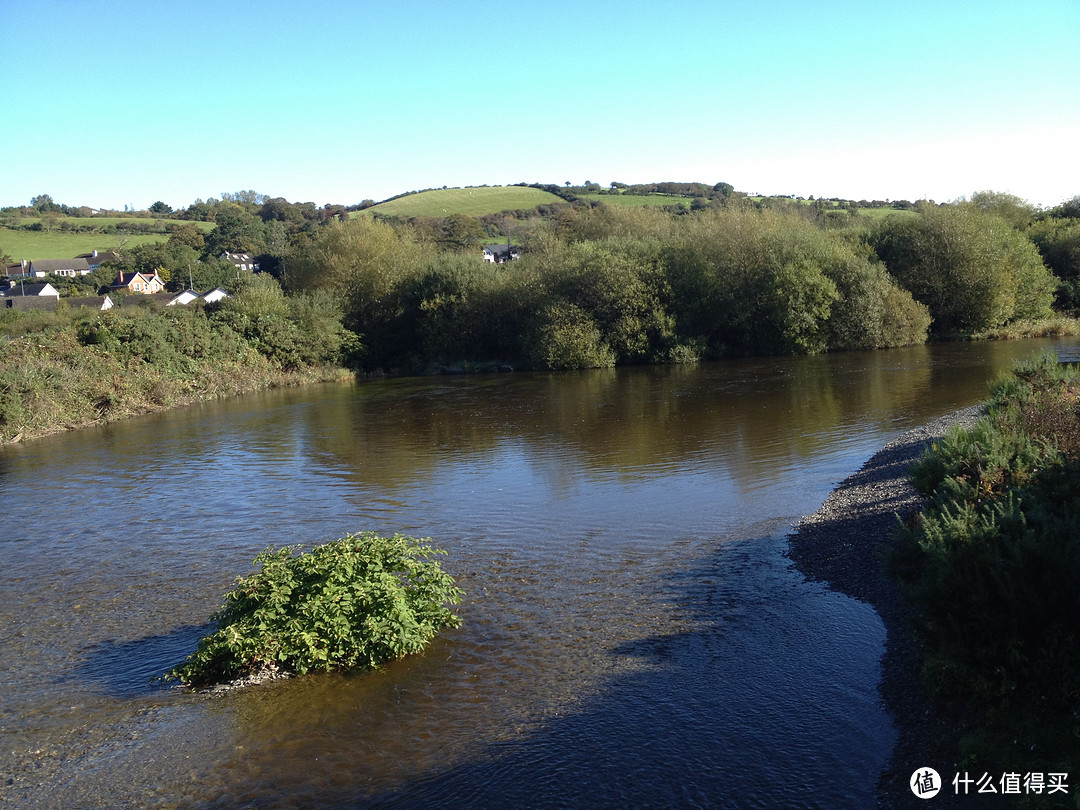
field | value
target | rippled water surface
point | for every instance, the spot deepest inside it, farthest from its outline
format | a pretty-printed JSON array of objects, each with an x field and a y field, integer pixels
[{"x": 634, "y": 635}]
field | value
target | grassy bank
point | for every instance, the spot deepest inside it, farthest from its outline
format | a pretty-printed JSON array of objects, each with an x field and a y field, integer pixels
[
  {"x": 60, "y": 371},
  {"x": 992, "y": 565}
]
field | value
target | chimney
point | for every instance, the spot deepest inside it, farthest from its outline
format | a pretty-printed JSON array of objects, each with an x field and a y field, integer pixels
[{"x": 93, "y": 254}]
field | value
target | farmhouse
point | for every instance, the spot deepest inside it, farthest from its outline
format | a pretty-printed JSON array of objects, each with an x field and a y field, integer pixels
[{"x": 500, "y": 254}]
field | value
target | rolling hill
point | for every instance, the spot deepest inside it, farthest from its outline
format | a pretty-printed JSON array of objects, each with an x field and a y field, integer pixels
[{"x": 474, "y": 201}]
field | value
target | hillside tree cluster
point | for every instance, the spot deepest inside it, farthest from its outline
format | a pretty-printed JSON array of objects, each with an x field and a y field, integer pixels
[{"x": 599, "y": 285}]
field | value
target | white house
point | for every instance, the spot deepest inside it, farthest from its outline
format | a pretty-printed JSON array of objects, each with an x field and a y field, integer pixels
[
  {"x": 20, "y": 295},
  {"x": 499, "y": 254}
]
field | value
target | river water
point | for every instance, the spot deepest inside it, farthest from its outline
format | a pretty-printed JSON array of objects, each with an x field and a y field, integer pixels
[{"x": 633, "y": 636}]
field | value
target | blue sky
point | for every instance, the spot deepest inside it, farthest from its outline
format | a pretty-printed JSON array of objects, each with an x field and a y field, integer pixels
[{"x": 128, "y": 102}]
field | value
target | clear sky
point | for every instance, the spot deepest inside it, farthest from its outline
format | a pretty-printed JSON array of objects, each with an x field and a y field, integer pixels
[{"x": 126, "y": 102}]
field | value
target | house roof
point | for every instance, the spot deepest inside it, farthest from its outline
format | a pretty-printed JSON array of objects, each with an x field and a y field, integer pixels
[
  {"x": 55, "y": 265},
  {"x": 24, "y": 302},
  {"x": 501, "y": 250},
  {"x": 100, "y": 257},
  {"x": 124, "y": 280},
  {"x": 20, "y": 290}
]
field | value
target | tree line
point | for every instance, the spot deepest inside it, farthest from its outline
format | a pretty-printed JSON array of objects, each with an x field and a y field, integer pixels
[{"x": 602, "y": 285}]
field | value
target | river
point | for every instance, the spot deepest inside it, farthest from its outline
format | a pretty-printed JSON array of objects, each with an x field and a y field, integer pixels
[{"x": 633, "y": 636}]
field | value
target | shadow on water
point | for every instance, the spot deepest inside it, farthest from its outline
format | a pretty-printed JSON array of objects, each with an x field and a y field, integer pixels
[
  {"x": 761, "y": 692},
  {"x": 129, "y": 669}
]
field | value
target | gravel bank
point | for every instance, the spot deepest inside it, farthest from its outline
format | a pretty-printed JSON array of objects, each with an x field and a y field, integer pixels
[{"x": 843, "y": 545}]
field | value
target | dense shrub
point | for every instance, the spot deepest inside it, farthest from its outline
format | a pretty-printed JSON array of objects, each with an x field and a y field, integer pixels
[
  {"x": 993, "y": 561},
  {"x": 872, "y": 311},
  {"x": 973, "y": 270},
  {"x": 353, "y": 603},
  {"x": 1058, "y": 240},
  {"x": 302, "y": 330},
  {"x": 753, "y": 282},
  {"x": 568, "y": 338}
]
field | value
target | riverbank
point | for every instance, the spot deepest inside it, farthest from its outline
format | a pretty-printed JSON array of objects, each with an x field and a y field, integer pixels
[
  {"x": 52, "y": 382},
  {"x": 844, "y": 545}
]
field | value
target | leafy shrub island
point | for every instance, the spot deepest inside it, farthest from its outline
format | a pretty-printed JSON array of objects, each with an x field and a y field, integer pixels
[
  {"x": 993, "y": 566},
  {"x": 353, "y": 603}
]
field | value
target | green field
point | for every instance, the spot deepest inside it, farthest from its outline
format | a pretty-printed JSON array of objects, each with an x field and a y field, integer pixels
[
  {"x": 20, "y": 243},
  {"x": 639, "y": 200},
  {"x": 475, "y": 201},
  {"x": 881, "y": 213},
  {"x": 105, "y": 222}
]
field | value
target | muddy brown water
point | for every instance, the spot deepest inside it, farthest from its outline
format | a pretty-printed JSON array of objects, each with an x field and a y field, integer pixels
[{"x": 633, "y": 633}]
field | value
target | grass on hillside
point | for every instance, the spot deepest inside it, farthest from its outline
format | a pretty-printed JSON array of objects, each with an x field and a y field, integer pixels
[
  {"x": 472, "y": 201},
  {"x": 876, "y": 213},
  {"x": 105, "y": 222},
  {"x": 638, "y": 200},
  {"x": 881, "y": 213},
  {"x": 20, "y": 244}
]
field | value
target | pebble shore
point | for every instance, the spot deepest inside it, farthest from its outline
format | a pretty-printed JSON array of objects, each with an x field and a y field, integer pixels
[{"x": 844, "y": 544}]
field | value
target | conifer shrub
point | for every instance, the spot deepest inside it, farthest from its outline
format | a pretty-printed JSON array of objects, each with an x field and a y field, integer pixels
[{"x": 350, "y": 604}]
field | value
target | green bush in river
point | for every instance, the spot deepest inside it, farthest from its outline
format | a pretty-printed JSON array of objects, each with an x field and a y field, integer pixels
[
  {"x": 992, "y": 565},
  {"x": 353, "y": 603}
]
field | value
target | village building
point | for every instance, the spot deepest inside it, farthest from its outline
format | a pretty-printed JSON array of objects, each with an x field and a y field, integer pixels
[
  {"x": 500, "y": 254},
  {"x": 138, "y": 283},
  {"x": 20, "y": 295}
]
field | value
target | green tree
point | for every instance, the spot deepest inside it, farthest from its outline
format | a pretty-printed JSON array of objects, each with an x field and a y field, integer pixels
[
  {"x": 872, "y": 310},
  {"x": 369, "y": 266},
  {"x": 461, "y": 232},
  {"x": 236, "y": 231},
  {"x": 44, "y": 204},
  {"x": 188, "y": 234},
  {"x": 160, "y": 209},
  {"x": 1058, "y": 241},
  {"x": 751, "y": 281},
  {"x": 973, "y": 270},
  {"x": 1016, "y": 211},
  {"x": 617, "y": 283}
]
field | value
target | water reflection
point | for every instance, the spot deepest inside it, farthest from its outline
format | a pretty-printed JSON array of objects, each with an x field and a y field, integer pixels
[{"x": 630, "y": 621}]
